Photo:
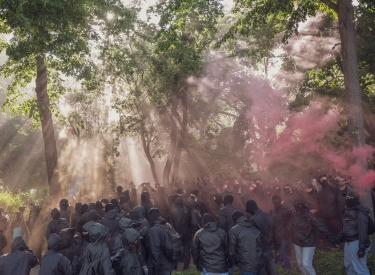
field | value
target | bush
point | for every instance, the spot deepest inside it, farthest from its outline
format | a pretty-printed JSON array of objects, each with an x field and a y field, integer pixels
[{"x": 329, "y": 262}]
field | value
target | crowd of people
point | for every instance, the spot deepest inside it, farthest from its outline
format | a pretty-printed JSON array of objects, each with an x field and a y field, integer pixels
[{"x": 219, "y": 224}]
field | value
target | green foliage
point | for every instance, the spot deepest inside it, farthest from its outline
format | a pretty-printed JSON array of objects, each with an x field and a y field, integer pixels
[
  {"x": 11, "y": 201},
  {"x": 329, "y": 263}
]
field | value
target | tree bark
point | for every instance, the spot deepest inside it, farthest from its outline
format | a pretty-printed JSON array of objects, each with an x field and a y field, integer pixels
[
  {"x": 48, "y": 132},
  {"x": 347, "y": 30},
  {"x": 146, "y": 149},
  {"x": 172, "y": 145},
  {"x": 181, "y": 136}
]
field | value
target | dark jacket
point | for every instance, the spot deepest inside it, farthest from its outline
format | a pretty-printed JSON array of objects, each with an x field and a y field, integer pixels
[
  {"x": 145, "y": 202},
  {"x": 265, "y": 223},
  {"x": 3, "y": 242},
  {"x": 212, "y": 205},
  {"x": 142, "y": 216},
  {"x": 111, "y": 220},
  {"x": 64, "y": 211},
  {"x": 57, "y": 224},
  {"x": 99, "y": 209},
  {"x": 116, "y": 245},
  {"x": 76, "y": 216},
  {"x": 68, "y": 246},
  {"x": 245, "y": 248},
  {"x": 281, "y": 216},
  {"x": 355, "y": 226},
  {"x": 304, "y": 227},
  {"x": 180, "y": 219},
  {"x": 132, "y": 261},
  {"x": 225, "y": 221},
  {"x": 201, "y": 207},
  {"x": 210, "y": 249},
  {"x": 96, "y": 257},
  {"x": 331, "y": 202},
  {"x": 19, "y": 261},
  {"x": 195, "y": 216},
  {"x": 54, "y": 263},
  {"x": 159, "y": 261}
]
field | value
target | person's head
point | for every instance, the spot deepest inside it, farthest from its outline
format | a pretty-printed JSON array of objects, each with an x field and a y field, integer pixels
[
  {"x": 258, "y": 182},
  {"x": 288, "y": 189},
  {"x": 55, "y": 214},
  {"x": 300, "y": 206},
  {"x": 228, "y": 199},
  {"x": 207, "y": 218},
  {"x": 145, "y": 196},
  {"x": 251, "y": 207},
  {"x": 54, "y": 242},
  {"x": 31, "y": 205},
  {"x": 236, "y": 215},
  {"x": 276, "y": 190},
  {"x": 130, "y": 237},
  {"x": 180, "y": 192},
  {"x": 109, "y": 207},
  {"x": 104, "y": 202},
  {"x": 194, "y": 192},
  {"x": 276, "y": 200},
  {"x": 153, "y": 214},
  {"x": 313, "y": 182},
  {"x": 323, "y": 180},
  {"x": 114, "y": 202},
  {"x": 351, "y": 202},
  {"x": 309, "y": 187},
  {"x": 119, "y": 189},
  {"x": 342, "y": 182}
]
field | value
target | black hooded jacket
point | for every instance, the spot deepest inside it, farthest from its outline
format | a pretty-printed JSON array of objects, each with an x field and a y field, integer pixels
[
  {"x": 281, "y": 216},
  {"x": 210, "y": 248},
  {"x": 304, "y": 227},
  {"x": 225, "y": 221},
  {"x": 245, "y": 247},
  {"x": 67, "y": 243},
  {"x": 99, "y": 209},
  {"x": 180, "y": 219},
  {"x": 76, "y": 216},
  {"x": 265, "y": 223},
  {"x": 96, "y": 257},
  {"x": 19, "y": 261},
  {"x": 355, "y": 226},
  {"x": 64, "y": 211},
  {"x": 158, "y": 259},
  {"x": 132, "y": 261},
  {"x": 111, "y": 220},
  {"x": 331, "y": 202},
  {"x": 54, "y": 263},
  {"x": 57, "y": 224}
]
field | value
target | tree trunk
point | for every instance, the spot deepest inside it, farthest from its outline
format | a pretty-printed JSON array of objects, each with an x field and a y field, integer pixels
[
  {"x": 354, "y": 114},
  {"x": 146, "y": 149},
  {"x": 47, "y": 128},
  {"x": 181, "y": 137},
  {"x": 172, "y": 145}
]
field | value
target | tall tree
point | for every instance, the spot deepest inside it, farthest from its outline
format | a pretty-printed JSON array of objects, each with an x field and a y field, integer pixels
[{"x": 49, "y": 38}]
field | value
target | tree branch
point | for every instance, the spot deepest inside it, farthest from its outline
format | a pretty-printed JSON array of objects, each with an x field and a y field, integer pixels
[
  {"x": 331, "y": 5},
  {"x": 228, "y": 114}
]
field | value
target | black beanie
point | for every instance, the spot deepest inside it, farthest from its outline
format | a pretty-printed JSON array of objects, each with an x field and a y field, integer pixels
[
  {"x": 228, "y": 199},
  {"x": 251, "y": 206},
  {"x": 108, "y": 207},
  {"x": 236, "y": 215},
  {"x": 114, "y": 202},
  {"x": 153, "y": 214},
  {"x": 207, "y": 218},
  {"x": 276, "y": 198}
]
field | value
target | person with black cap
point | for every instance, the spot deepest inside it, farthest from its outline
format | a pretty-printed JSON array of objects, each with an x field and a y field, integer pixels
[
  {"x": 55, "y": 263},
  {"x": 355, "y": 235},
  {"x": 146, "y": 202},
  {"x": 331, "y": 202},
  {"x": 161, "y": 264},
  {"x": 245, "y": 248},
  {"x": 57, "y": 224},
  {"x": 200, "y": 205},
  {"x": 210, "y": 248},
  {"x": 304, "y": 227},
  {"x": 64, "y": 211},
  {"x": 265, "y": 223},
  {"x": 225, "y": 221},
  {"x": 180, "y": 220},
  {"x": 111, "y": 220},
  {"x": 280, "y": 213}
]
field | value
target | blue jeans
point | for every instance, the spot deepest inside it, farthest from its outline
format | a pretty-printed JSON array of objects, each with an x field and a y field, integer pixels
[
  {"x": 283, "y": 259},
  {"x": 304, "y": 257},
  {"x": 250, "y": 272},
  {"x": 353, "y": 264}
]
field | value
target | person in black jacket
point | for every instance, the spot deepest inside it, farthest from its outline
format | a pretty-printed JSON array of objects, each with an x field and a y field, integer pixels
[
  {"x": 99, "y": 209},
  {"x": 245, "y": 248},
  {"x": 53, "y": 262},
  {"x": 225, "y": 221},
  {"x": 304, "y": 235},
  {"x": 3, "y": 242},
  {"x": 145, "y": 202},
  {"x": 64, "y": 211},
  {"x": 76, "y": 216},
  {"x": 20, "y": 261},
  {"x": 180, "y": 221},
  {"x": 331, "y": 202},
  {"x": 210, "y": 247},
  {"x": 200, "y": 205},
  {"x": 355, "y": 235},
  {"x": 57, "y": 224},
  {"x": 111, "y": 220},
  {"x": 282, "y": 234},
  {"x": 265, "y": 223},
  {"x": 161, "y": 265},
  {"x": 132, "y": 261}
]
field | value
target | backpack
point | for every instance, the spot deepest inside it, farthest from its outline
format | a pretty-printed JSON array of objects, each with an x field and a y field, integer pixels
[{"x": 173, "y": 248}]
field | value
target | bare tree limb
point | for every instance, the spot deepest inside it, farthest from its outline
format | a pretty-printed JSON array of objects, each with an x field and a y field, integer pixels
[{"x": 331, "y": 5}]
